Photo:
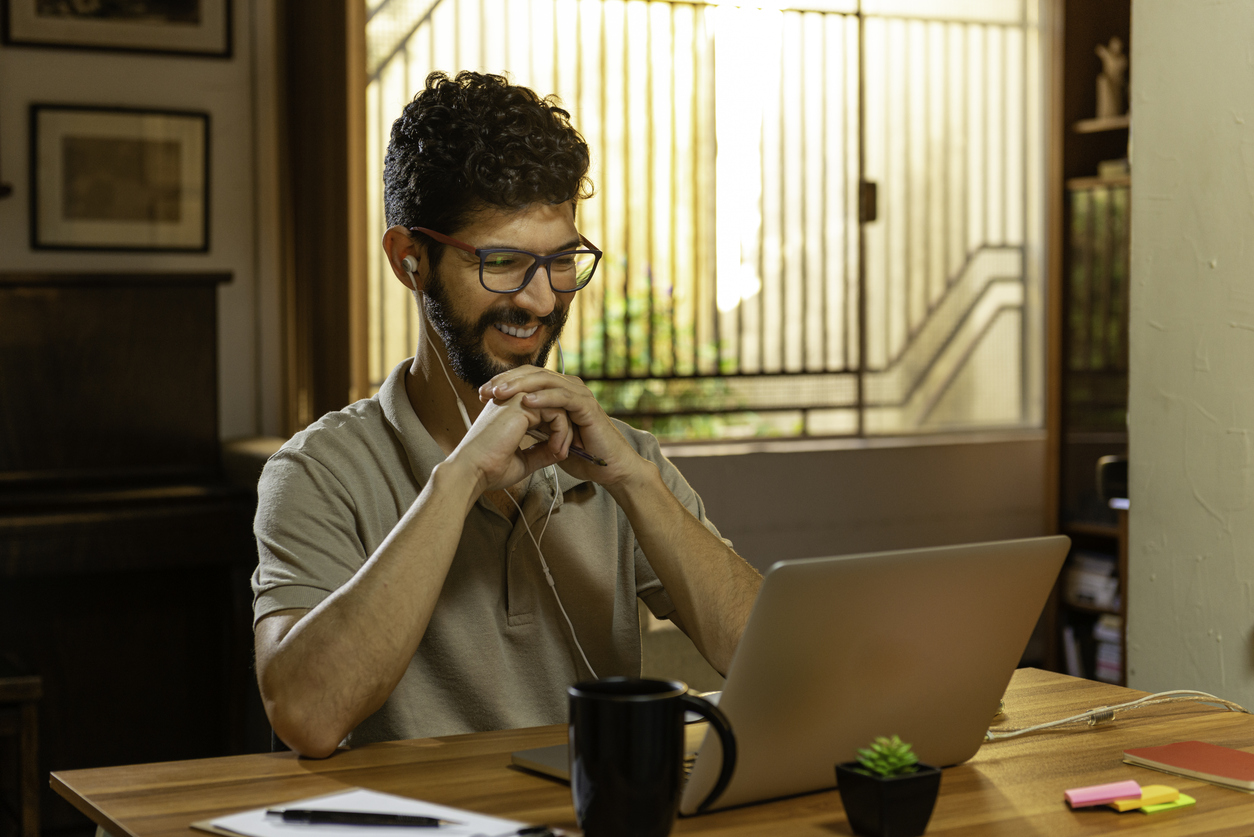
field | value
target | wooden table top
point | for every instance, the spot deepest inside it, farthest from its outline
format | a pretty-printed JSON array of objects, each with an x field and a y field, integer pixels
[{"x": 1012, "y": 787}]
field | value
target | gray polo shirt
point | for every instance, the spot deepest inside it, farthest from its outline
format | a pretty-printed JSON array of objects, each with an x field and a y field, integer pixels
[{"x": 497, "y": 653}]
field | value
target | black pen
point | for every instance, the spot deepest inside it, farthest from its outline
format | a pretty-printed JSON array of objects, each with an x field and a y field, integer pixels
[
  {"x": 575, "y": 449},
  {"x": 317, "y": 817}
]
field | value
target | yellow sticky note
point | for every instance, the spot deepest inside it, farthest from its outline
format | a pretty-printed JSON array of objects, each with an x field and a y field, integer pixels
[
  {"x": 1150, "y": 795},
  {"x": 1179, "y": 802}
]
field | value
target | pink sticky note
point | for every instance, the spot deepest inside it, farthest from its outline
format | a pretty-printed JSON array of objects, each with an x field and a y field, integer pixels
[{"x": 1101, "y": 794}]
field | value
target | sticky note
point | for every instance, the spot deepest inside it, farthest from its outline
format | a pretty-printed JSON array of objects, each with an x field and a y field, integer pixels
[
  {"x": 1179, "y": 802},
  {"x": 1150, "y": 795},
  {"x": 1101, "y": 794}
]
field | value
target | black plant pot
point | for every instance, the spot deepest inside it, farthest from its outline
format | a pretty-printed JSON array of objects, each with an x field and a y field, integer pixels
[{"x": 893, "y": 806}]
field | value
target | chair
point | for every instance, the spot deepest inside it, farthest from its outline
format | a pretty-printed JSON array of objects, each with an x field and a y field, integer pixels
[{"x": 19, "y": 719}]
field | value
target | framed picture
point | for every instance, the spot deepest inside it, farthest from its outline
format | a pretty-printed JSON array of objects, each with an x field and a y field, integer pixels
[
  {"x": 189, "y": 27},
  {"x": 119, "y": 179}
]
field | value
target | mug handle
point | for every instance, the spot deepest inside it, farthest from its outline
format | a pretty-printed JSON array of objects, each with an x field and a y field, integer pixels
[{"x": 722, "y": 726}]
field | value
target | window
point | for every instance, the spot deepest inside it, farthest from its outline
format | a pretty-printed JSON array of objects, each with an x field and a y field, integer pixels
[{"x": 818, "y": 220}]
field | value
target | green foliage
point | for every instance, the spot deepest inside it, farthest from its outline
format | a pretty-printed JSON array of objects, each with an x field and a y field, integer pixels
[
  {"x": 659, "y": 396},
  {"x": 639, "y": 333},
  {"x": 887, "y": 757},
  {"x": 685, "y": 409},
  {"x": 640, "y": 355}
]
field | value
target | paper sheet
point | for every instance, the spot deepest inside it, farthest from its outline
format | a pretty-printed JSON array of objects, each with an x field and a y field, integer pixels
[{"x": 256, "y": 823}]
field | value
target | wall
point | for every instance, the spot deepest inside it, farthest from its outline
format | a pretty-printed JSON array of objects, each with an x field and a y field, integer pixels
[
  {"x": 806, "y": 499},
  {"x": 237, "y": 93},
  {"x": 1191, "y": 406}
]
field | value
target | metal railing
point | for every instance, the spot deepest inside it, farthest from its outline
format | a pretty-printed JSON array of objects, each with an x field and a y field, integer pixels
[{"x": 732, "y": 146}]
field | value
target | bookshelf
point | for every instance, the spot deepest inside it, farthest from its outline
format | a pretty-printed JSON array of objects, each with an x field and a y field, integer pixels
[
  {"x": 1093, "y": 214},
  {"x": 1092, "y": 606}
]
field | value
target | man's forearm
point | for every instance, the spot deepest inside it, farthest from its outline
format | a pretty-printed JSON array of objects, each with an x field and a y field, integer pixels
[
  {"x": 712, "y": 588},
  {"x": 326, "y": 671}
]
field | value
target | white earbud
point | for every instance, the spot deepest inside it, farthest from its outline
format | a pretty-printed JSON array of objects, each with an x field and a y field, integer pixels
[{"x": 410, "y": 264}]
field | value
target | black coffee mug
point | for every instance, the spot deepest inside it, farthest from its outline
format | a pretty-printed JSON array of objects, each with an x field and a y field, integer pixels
[{"x": 626, "y": 754}]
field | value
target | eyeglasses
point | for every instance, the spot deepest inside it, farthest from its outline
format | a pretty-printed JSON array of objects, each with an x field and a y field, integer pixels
[{"x": 503, "y": 270}]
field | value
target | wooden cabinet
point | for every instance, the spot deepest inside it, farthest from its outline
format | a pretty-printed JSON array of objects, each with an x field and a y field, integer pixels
[{"x": 124, "y": 553}]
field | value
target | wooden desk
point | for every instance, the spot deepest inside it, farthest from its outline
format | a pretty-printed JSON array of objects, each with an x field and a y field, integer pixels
[{"x": 1011, "y": 787}]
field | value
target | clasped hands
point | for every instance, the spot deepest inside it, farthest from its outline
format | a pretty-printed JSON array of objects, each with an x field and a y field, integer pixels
[{"x": 529, "y": 398}]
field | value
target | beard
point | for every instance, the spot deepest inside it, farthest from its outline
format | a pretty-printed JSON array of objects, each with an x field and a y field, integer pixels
[{"x": 463, "y": 340}]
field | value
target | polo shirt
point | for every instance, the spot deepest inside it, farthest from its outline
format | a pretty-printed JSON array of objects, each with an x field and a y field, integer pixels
[{"x": 497, "y": 653}]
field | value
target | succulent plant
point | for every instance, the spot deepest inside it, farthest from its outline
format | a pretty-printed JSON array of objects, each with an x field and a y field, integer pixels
[{"x": 887, "y": 757}]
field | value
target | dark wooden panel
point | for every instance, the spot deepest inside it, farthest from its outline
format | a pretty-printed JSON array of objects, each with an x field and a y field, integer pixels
[
  {"x": 324, "y": 181},
  {"x": 137, "y": 617},
  {"x": 158, "y": 529},
  {"x": 136, "y": 667},
  {"x": 108, "y": 377},
  {"x": 124, "y": 555}
]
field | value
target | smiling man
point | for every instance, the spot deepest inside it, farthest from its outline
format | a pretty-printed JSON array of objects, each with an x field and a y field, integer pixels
[{"x": 426, "y": 567}]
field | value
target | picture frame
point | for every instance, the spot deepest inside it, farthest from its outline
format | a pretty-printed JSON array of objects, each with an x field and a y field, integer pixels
[
  {"x": 171, "y": 27},
  {"x": 105, "y": 178}
]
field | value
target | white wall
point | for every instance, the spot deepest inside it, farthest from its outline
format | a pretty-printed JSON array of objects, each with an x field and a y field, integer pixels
[
  {"x": 1191, "y": 405},
  {"x": 236, "y": 92}
]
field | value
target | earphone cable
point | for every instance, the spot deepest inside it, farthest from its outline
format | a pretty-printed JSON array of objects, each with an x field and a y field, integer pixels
[
  {"x": 1104, "y": 714},
  {"x": 548, "y": 576}
]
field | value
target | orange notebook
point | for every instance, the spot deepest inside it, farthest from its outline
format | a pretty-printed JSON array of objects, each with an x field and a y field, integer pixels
[{"x": 1199, "y": 760}]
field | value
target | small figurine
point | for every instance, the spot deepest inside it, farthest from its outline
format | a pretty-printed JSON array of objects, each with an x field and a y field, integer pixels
[{"x": 1111, "y": 83}]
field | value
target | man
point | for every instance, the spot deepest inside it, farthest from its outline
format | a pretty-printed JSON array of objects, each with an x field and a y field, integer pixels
[{"x": 406, "y": 543}]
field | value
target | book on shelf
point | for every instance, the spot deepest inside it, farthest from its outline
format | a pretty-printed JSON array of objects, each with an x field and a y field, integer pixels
[
  {"x": 1198, "y": 760},
  {"x": 1109, "y": 674},
  {"x": 1109, "y": 628},
  {"x": 1108, "y": 634},
  {"x": 1109, "y": 667},
  {"x": 1092, "y": 580},
  {"x": 1097, "y": 563},
  {"x": 1113, "y": 169}
]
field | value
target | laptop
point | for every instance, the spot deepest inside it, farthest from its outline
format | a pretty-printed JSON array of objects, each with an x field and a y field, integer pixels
[{"x": 917, "y": 643}]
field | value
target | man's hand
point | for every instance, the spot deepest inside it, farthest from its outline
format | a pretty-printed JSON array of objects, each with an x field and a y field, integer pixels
[
  {"x": 570, "y": 415},
  {"x": 492, "y": 446},
  {"x": 711, "y": 586}
]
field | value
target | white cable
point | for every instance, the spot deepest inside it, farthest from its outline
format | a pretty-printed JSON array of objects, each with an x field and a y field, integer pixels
[
  {"x": 548, "y": 576},
  {"x": 461, "y": 408},
  {"x": 552, "y": 469},
  {"x": 1102, "y": 714}
]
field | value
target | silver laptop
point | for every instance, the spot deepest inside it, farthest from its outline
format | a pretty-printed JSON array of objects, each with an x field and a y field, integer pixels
[{"x": 918, "y": 643}]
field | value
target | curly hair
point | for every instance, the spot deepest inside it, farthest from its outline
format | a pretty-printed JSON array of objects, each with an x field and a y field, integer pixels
[{"x": 479, "y": 141}]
